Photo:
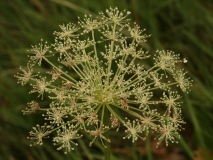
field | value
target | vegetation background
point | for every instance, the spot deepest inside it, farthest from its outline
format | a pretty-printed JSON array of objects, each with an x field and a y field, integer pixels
[{"x": 184, "y": 26}]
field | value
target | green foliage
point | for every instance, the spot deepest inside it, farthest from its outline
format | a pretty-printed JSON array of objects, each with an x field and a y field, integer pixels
[{"x": 185, "y": 26}]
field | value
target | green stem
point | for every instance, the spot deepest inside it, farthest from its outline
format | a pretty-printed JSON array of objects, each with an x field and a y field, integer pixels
[
  {"x": 149, "y": 151},
  {"x": 107, "y": 134},
  {"x": 111, "y": 53},
  {"x": 59, "y": 69}
]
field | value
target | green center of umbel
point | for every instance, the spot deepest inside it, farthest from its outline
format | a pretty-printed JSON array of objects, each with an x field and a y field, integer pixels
[{"x": 103, "y": 96}]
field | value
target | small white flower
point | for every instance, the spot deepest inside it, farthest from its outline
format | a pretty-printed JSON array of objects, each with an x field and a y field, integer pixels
[
  {"x": 113, "y": 15},
  {"x": 167, "y": 132},
  {"x": 68, "y": 31},
  {"x": 98, "y": 133},
  {"x": 26, "y": 75},
  {"x": 136, "y": 33},
  {"x": 40, "y": 86},
  {"x": 185, "y": 60},
  {"x": 55, "y": 115},
  {"x": 65, "y": 138},
  {"x": 38, "y": 133},
  {"x": 133, "y": 130},
  {"x": 39, "y": 52},
  {"x": 183, "y": 83},
  {"x": 33, "y": 106},
  {"x": 171, "y": 101}
]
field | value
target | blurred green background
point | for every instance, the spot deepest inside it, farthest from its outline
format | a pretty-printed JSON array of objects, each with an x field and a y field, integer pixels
[{"x": 184, "y": 26}]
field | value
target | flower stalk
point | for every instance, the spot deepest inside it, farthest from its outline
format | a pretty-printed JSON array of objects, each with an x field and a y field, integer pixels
[{"x": 107, "y": 134}]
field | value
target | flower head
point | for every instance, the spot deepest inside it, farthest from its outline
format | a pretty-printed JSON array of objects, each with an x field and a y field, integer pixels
[
  {"x": 33, "y": 106},
  {"x": 65, "y": 138},
  {"x": 55, "y": 115},
  {"x": 68, "y": 31},
  {"x": 98, "y": 133},
  {"x": 114, "y": 16},
  {"x": 38, "y": 133},
  {"x": 103, "y": 79},
  {"x": 183, "y": 83},
  {"x": 133, "y": 130},
  {"x": 148, "y": 121},
  {"x": 40, "y": 86},
  {"x": 136, "y": 33},
  {"x": 25, "y": 76},
  {"x": 168, "y": 132},
  {"x": 38, "y": 52},
  {"x": 170, "y": 100},
  {"x": 89, "y": 24}
]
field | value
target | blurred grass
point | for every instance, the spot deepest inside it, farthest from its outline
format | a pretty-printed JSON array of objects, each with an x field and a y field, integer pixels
[{"x": 185, "y": 26}]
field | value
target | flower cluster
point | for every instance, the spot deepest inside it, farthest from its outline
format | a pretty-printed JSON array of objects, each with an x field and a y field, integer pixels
[{"x": 100, "y": 73}]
